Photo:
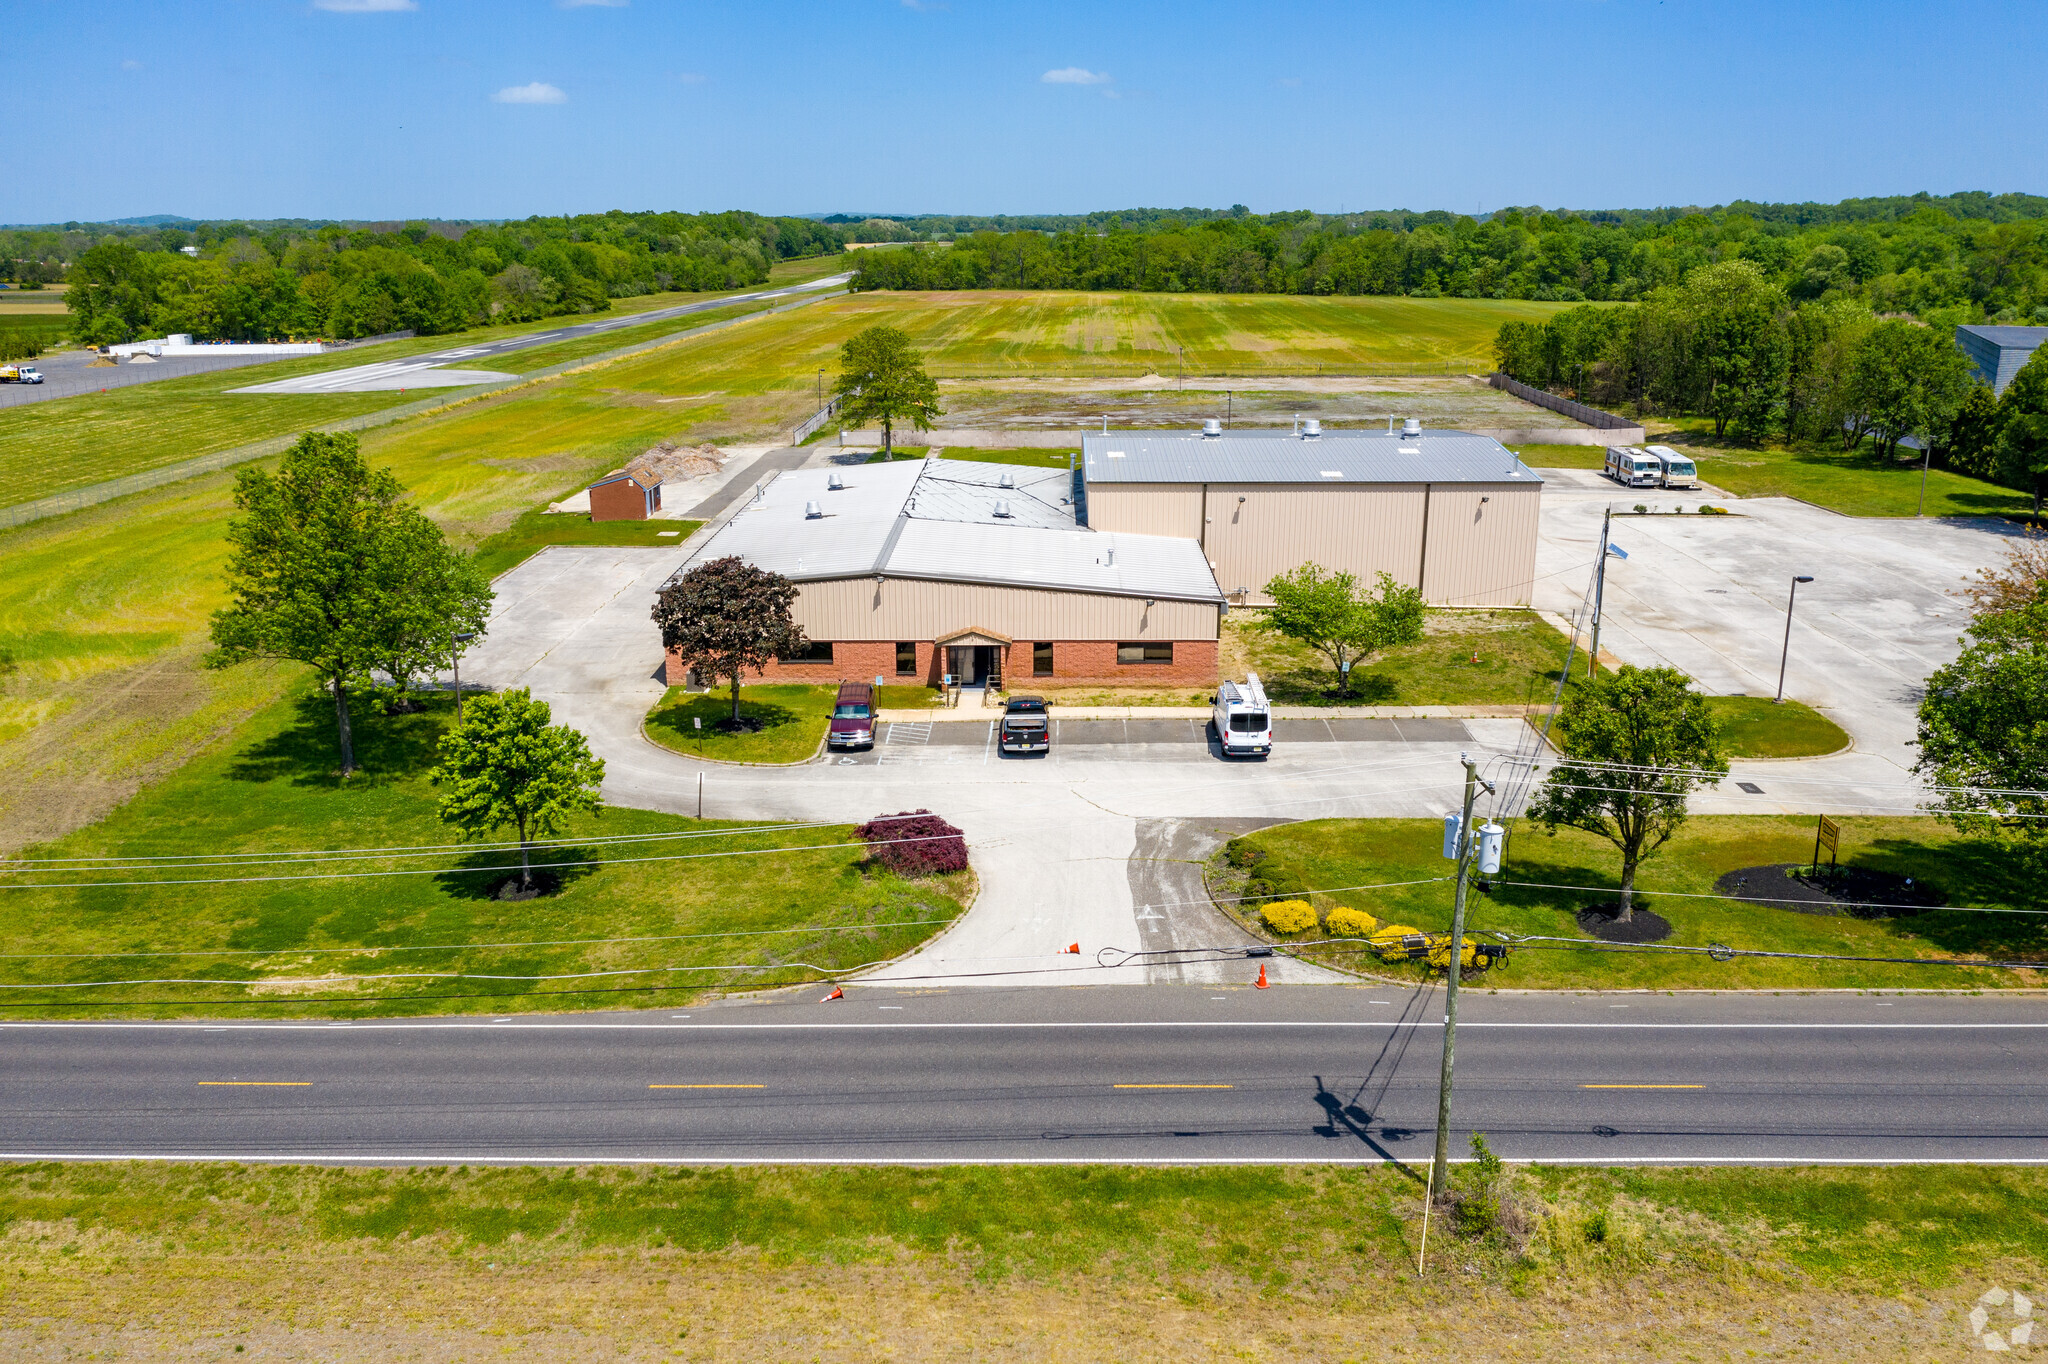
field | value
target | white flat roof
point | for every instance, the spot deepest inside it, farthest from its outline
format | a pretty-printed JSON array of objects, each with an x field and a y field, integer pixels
[
  {"x": 1336, "y": 456},
  {"x": 936, "y": 519}
]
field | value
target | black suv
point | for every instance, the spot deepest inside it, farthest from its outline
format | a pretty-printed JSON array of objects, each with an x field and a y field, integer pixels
[{"x": 1026, "y": 727}]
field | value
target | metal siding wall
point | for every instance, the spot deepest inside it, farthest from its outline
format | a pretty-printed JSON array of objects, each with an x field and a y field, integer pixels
[
  {"x": 1481, "y": 555},
  {"x": 912, "y": 609},
  {"x": 1146, "y": 508},
  {"x": 1362, "y": 528}
]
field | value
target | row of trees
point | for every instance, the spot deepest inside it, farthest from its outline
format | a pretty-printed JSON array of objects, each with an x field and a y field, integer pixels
[
  {"x": 1979, "y": 256},
  {"x": 336, "y": 281}
]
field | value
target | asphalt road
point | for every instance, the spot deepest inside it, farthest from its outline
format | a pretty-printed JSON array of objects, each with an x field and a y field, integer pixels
[
  {"x": 1154, "y": 1073},
  {"x": 68, "y": 373}
]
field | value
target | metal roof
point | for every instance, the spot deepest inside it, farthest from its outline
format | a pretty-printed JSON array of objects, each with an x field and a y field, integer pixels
[
  {"x": 2021, "y": 338},
  {"x": 1333, "y": 457},
  {"x": 936, "y": 519}
]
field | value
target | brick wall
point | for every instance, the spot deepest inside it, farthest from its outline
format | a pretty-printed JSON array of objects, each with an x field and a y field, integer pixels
[{"x": 1075, "y": 662}]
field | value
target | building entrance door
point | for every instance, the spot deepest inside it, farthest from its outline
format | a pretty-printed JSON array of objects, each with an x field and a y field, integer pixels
[{"x": 971, "y": 664}]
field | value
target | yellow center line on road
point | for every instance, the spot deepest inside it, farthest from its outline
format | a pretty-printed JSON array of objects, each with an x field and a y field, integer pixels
[
  {"x": 707, "y": 1086},
  {"x": 260, "y": 1084},
  {"x": 1173, "y": 1086},
  {"x": 1642, "y": 1086}
]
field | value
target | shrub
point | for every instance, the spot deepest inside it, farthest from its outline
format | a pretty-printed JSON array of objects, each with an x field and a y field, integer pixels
[
  {"x": 914, "y": 843},
  {"x": 1345, "y": 922},
  {"x": 1241, "y": 854},
  {"x": 1289, "y": 916},
  {"x": 1713, "y": 511},
  {"x": 1642, "y": 510}
]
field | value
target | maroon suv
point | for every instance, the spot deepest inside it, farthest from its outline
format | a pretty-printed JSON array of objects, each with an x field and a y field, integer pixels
[{"x": 853, "y": 717}]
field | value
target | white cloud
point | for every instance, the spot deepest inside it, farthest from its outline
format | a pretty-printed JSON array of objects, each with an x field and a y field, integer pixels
[
  {"x": 539, "y": 92},
  {"x": 131, "y": 65},
  {"x": 365, "y": 6},
  {"x": 1075, "y": 75}
]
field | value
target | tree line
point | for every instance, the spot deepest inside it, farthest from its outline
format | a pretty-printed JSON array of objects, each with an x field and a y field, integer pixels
[
  {"x": 1732, "y": 344},
  {"x": 1982, "y": 256},
  {"x": 250, "y": 282}
]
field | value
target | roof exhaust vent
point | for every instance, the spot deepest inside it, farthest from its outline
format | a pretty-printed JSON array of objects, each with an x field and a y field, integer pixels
[
  {"x": 835, "y": 483},
  {"x": 1109, "y": 557},
  {"x": 1311, "y": 429},
  {"x": 812, "y": 511},
  {"x": 1410, "y": 427},
  {"x": 1211, "y": 429},
  {"x": 1002, "y": 508},
  {"x": 1008, "y": 480}
]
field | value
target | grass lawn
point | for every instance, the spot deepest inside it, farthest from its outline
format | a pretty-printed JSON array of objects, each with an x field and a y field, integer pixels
[
  {"x": 1037, "y": 459},
  {"x": 1562, "y": 456},
  {"x": 1970, "y": 871},
  {"x": 1757, "y": 727},
  {"x": 1049, "y": 1261},
  {"x": 895, "y": 696},
  {"x": 538, "y": 529},
  {"x": 1518, "y": 657},
  {"x": 273, "y": 787},
  {"x": 792, "y": 718}
]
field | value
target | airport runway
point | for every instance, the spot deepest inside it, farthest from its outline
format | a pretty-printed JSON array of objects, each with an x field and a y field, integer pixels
[{"x": 1197, "y": 1073}]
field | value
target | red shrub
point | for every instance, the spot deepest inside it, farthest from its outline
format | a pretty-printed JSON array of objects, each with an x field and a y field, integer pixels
[{"x": 914, "y": 843}]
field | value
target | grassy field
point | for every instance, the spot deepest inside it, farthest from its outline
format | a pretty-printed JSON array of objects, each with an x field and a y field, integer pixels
[
  {"x": 45, "y": 328},
  {"x": 1037, "y": 459},
  {"x": 1970, "y": 871},
  {"x": 792, "y": 720},
  {"x": 1562, "y": 456},
  {"x": 538, "y": 529},
  {"x": 1757, "y": 727},
  {"x": 273, "y": 788},
  {"x": 863, "y": 1263},
  {"x": 1468, "y": 658}
]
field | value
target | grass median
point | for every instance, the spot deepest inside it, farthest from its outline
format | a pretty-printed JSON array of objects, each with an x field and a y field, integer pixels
[
  {"x": 1037, "y": 1262},
  {"x": 784, "y": 723},
  {"x": 1758, "y": 727},
  {"x": 285, "y": 928},
  {"x": 1548, "y": 880},
  {"x": 1467, "y": 658}
]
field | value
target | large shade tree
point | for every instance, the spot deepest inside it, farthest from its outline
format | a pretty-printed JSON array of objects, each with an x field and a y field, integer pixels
[
  {"x": 882, "y": 379},
  {"x": 2021, "y": 454},
  {"x": 1335, "y": 615},
  {"x": 727, "y": 618},
  {"x": 1636, "y": 744},
  {"x": 1906, "y": 380},
  {"x": 330, "y": 568},
  {"x": 507, "y": 766}
]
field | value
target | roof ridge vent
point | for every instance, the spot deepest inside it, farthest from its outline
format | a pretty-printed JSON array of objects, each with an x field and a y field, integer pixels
[
  {"x": 1211, "y": 429},
  {"x": 1410, "y": 427},
  {"x": 1311, "y": 429},
  {"x": 835, "y": 483},
  {"x": 1002, "y": 508},
  {"x": 812, "y": 511},
  {"x": 1007, "y": 480}
]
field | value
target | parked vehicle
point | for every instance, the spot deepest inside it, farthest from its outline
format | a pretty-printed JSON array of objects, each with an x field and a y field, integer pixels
[
  {"x": 1026, "y": 726},
  {"x": 1633, "y": 468},
  {"x": 1677, "y": 470},
  {"x": 853, "y": 717},
  {"x": 1244, "y": 722},
  {"x": 20, "y": 374}
]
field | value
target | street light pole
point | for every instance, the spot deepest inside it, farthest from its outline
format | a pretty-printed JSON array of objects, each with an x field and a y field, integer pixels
[{"x": 1786, "y": 653}]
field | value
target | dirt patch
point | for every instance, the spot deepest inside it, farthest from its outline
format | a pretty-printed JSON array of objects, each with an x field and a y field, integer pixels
[
  {"x": 1600, "y": 922},
  {"x": 1856, "y": 891}
]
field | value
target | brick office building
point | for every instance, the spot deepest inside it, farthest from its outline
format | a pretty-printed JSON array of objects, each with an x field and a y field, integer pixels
[{"x": 914, "y": 570}]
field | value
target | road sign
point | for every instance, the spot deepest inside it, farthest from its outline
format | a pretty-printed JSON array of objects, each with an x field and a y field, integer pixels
[{"x": 1828, "y": 834}]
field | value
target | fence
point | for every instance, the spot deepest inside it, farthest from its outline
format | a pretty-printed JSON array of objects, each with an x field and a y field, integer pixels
[
  {"x": 1578, "y": 412},
  {"x": 810, "y": 426}
]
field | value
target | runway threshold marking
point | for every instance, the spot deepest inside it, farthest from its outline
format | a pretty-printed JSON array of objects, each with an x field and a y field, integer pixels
[
  {"x": 259, "y": 1084},
  {"x": 707, "y": 1086},
  {"x": 1173, "y": 1086},
  {"x": 1642, "y": 1086}
]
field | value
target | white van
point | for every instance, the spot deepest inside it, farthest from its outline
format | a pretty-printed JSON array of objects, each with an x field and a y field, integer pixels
[
  {"x": 1678, "y": 469},
  {"x": 1633, "y": 468},
  {"x": 1244, "y": 722}
]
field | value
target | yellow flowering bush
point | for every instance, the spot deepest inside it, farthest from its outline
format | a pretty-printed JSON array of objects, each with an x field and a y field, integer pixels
[
  {"x": 1345, "y": 922},
  {"x": 1289, "y": 916}
]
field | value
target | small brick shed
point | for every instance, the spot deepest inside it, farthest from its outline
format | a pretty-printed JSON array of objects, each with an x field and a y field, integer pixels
[{"x": 624, "y": 497}]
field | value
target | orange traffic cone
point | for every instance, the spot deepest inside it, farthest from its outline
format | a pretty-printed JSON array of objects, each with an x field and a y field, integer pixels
[
  {"x": 1262, "y": 976},
  {"x": 837, "y": 993},
  {"x": 1074, "y": 948}
]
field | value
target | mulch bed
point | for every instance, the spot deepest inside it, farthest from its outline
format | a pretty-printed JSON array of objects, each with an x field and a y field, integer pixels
[
  {"x": 1857, "y": 891},
  {"x": 1600, "y": 922}
]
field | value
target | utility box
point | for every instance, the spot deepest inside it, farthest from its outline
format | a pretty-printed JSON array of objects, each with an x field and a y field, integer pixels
[{"x": 1491, "y": 836}]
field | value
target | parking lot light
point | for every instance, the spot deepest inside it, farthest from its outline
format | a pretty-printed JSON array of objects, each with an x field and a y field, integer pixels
[{"x": 1786, "y": 653}]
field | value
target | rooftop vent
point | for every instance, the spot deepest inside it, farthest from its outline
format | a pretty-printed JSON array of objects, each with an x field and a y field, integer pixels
[
  {"x": 1311, "y": 429},
  {"x": 1008, "y": 480},
  {"x": 1002, "y": 508},
  {"x": 1410, "y": 427},
  {"x": 812, "y": 511},
  {"x": 835, "y": 482},
  {"x": 1211, "y": 429}
]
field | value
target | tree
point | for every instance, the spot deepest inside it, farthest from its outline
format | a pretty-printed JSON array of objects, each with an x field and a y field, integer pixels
[
  {"x": 318, "y": 569},
  {"x": 727, "y": 618},
  {"x": 2021, "y": 455},
  {"x": 1906, "y": 380},
  {"x": 881, "y": 378},
  {"x": 1331, "y": 614},
  {"x": 447, "y": 595},
  {"x": 506, "y": 765},
  {"x": 1737, "y": 352},
  {"x": 1969, "y": 439},
  {"x": 1636, "y": 743}
]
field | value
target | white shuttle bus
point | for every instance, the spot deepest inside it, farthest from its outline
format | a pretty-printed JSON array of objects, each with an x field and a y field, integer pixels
[
  {"x": 1244, "y": 722},
  {"x": 1633, "y": 468},
  {"x": 1679, "y": 471}
]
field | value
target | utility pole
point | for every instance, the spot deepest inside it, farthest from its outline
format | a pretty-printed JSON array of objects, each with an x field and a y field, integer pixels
[
  {"x": 1599, "y": 594},
  {"x": 1467, "y": 844}
]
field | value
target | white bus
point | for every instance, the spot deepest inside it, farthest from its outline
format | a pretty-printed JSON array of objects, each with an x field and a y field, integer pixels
[
  {"x": 1633, "y": 468},
  {"x": 1244, "y": 722},
  {"x": 1679, "y": 471}
]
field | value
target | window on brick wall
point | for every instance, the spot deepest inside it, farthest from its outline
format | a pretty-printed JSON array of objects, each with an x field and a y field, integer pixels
[
  {"x": 814, "y": 651},
  {"x": 906, "y": 658},
  {"x": 1041, "y": 660},
  {"x": 1144, "y": 653}
]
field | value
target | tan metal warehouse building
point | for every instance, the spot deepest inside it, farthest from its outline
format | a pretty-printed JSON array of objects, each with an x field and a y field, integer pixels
[
  {"x": 1448, "y": 512},
  {"x": 913, "y": 570}
]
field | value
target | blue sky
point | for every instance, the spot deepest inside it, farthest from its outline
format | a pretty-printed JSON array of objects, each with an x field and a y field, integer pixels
[{"x": 465, "y": 109}]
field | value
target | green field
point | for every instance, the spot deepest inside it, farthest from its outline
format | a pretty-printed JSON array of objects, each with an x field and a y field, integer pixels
[
  {"x": 875, "y": 1262},
  {"x": 1301, "y": 857},
  {"x": 792, "y": 722},
  {"x": 273, "y": 789},
  {"x": 1757, "y": 727},
  {"x": 1518, "y": 655},
  {"x": 1855, "y": 483},
  {"x": 538, "y": 529}
]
